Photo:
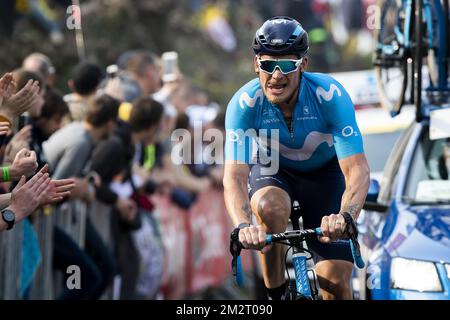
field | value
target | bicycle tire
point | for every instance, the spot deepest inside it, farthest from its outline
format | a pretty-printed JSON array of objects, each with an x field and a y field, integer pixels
[
  {"x": 432, "y": 67},
  {"x": 431, "y": 61},
  {"x": 418, "y": 57},
  {"x": 389, "y": 102}
]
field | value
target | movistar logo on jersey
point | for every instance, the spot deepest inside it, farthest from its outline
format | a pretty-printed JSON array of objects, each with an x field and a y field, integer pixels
[
  {"x": 245, "y": 100},
  {"x": 321, "y": 93}
]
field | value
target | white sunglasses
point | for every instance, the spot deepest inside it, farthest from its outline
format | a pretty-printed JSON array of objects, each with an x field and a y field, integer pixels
[{"x": 286, "y": 66}]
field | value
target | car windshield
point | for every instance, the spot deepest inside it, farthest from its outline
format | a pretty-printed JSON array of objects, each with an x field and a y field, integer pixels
[
  {"x": 428, "y": 176},
  {"x": 377, "y": 147}
]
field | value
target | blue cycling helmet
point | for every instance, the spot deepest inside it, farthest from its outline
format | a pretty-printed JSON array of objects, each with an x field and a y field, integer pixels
[{"x": 280, "y": 36}]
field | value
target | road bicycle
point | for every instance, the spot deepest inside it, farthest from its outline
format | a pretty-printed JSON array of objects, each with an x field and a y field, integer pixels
[
  {"x": 304, "y": 288},
  {"x": 407, "y": 32}
]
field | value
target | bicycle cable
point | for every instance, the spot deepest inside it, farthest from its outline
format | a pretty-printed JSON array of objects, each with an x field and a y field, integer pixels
[{"x": 286, "y": 269}]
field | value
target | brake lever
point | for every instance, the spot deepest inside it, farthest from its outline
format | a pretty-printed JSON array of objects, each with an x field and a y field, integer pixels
[
  {"x": 235, "y": 249},
  {"x": 352, "y": 231}
]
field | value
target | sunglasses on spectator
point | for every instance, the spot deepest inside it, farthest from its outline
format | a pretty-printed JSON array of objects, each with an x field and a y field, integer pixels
[{"x": 286, "y": 66}]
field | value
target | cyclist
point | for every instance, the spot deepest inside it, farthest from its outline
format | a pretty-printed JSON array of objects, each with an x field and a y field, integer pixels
[{"x": 322, "y": 166}]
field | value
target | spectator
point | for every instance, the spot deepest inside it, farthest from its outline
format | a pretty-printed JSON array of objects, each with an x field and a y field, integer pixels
[
  {"x": 39, "y": 190},
  {"x": 126, "y": 147},
  {"x": 186, "y": 184},
  {"x": 65, "y": 250},
  {"x": 142, "y": 69},
  {"x": 86, "y": 78},
  {"x": 139, "y": 78},
  {"x": 42, "y": 65},
  {"x": 52, "y": 114},
  {"x": 25, "y": 198},
  {"x": 22, "y": 77},
  {"x": 68, "y": 151},
  {"x": 14, "y": 104}
]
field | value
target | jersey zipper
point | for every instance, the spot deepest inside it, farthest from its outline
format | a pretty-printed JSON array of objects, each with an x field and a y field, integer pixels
[
  {"x": 291, "y": 129},
  {"x": 289, "y": 122},
  {"x": 290, "y": 126}
]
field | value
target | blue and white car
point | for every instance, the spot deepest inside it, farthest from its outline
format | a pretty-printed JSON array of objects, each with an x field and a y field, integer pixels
[{"x": 405, "y": 229}]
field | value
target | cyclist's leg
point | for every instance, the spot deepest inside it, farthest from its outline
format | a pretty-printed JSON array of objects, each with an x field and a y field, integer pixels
[
  {"x": 271, "y": 203},
  {"x": 320, "y": 195},
  {"x": 271, "y": 206},
  {"x": 334, "y": 279}
]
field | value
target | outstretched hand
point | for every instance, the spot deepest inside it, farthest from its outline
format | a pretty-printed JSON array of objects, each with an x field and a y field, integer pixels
[
  {"x": 59, "y": 189},
  {"x": 13, "y": 104},
  {"x": 28, "y": 195}
]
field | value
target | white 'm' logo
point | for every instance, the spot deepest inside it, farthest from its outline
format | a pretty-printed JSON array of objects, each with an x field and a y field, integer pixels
[
  {"x": 246, "y": 100},
  {"x": 327, "y": 95}
]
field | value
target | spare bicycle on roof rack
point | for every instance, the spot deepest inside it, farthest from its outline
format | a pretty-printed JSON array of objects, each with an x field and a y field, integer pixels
[{"x": 407, "y": 32}]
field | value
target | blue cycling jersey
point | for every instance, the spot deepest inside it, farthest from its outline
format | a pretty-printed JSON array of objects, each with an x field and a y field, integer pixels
[{"x": 324, "y": 125}]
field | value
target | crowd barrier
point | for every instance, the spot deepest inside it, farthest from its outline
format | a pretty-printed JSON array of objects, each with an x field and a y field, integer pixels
[
  {"x": 195, "y": 241},
  {"x": 71, "y": 217},
  {"x": 43, "y": 286},
  {"x": 10, "y": 262}
]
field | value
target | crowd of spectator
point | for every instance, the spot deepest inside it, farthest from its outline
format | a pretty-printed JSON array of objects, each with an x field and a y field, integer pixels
[{"x": 108, "y": 141}]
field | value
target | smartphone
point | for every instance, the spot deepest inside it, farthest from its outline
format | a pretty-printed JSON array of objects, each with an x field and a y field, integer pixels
[
  {"x": 170, "y": 66},
  {"x": 112, "y": 71},
  {"x": 24, "y": 120}
]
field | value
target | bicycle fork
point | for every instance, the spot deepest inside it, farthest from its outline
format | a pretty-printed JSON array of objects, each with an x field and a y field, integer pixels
[{"x": 299, "y": 262}]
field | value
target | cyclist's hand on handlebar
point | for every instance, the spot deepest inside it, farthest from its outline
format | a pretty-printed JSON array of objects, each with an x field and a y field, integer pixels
[
  {"x": 253, "y": 237},
  {"x": 333, "y": 228}
]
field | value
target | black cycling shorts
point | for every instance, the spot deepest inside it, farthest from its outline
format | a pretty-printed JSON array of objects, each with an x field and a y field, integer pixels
[{"x": 318, "y": 194}]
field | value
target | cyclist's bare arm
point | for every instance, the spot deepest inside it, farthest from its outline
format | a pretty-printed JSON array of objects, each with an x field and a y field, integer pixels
[
  {"x": 236, "y": 193},
  {"x": 357, "y": 179},
  {"x": 238, "y": 205}
]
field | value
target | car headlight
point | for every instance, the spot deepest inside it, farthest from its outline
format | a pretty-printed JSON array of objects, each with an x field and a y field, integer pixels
[{"x": 414, "y": 275}]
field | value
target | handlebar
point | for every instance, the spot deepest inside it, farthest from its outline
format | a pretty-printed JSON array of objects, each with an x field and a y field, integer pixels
[
  {"x": 302, "y": 234},
  {"x": 295, "y": 235}
]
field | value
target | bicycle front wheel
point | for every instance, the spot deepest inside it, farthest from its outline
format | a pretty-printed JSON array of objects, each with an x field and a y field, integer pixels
[
  {"x": 391, "y": 60},
  {"x": 418, "y": 61}
]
